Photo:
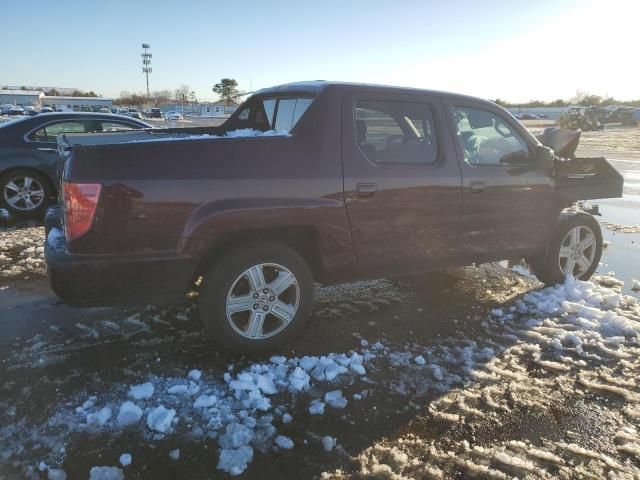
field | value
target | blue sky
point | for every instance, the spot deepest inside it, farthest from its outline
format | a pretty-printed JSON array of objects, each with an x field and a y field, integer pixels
[{"x": 517, "y": 50}]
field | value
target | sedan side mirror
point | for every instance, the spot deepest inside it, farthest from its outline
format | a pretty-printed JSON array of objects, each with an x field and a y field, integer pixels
[{"x": 545, "y": 158}]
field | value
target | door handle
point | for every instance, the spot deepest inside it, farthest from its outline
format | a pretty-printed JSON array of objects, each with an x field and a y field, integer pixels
[
  {"x": 476, "y": 187},
  {"x": 45, "y": 149},
  {"x": 366, "y": 189}
]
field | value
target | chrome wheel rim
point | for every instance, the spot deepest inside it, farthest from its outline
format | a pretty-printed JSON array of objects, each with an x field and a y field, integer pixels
[
  {"x": 577, "y": 251},
  {"x": 262, "y": 301},
  {"x": 24, "y": 193}
]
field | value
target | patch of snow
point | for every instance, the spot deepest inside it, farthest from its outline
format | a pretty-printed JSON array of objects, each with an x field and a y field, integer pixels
[
  {"x": 129, "y": 414},
  {"x": 125, "y": 459},
  {"x": 106, "y": 473},
  {"x": 316, "y": 407},
  {"x": 205, "y": 401},
  {"x": 420, "y": 360},
  {"x": 284, "y": 442},
  {"x": 195, "y": 375},
  {"x": 99, "y": 418},
  {"x": 234, "y": 461},
  {"x": 328, "y": 443},
  {"x": 335, "y": 399},
  {"x": 299, "y": 380},
  {"x": 286, "y": 418},
  {"x": 56, "y": 474},
  {"x": 174, "y": 454},
  {"x": 160, "y": 418},
  {"x": 142, "y": 391}
]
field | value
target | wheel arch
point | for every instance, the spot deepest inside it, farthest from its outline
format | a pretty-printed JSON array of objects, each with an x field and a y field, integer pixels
[
  {"x": 305, "y": 240},
  {"x": 50, "y": 181}
]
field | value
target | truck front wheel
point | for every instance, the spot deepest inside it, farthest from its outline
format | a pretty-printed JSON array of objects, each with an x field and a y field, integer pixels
[
  {"x": 575, "y": 249},
  {"x": 256, "y": 297}
]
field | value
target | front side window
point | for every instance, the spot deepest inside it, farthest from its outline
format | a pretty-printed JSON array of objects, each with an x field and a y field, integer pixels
[
  {"x": 396, "y": 132},
  {"x": 51, "y": 131},
  {"x": 487, "y": 139}
]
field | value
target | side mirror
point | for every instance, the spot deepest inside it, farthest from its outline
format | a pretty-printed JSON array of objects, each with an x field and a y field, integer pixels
[{"x": 545, "y": 158}]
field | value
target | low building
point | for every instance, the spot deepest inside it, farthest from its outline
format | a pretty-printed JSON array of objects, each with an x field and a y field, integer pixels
[
  {"x": 75, "y": 103},
  {"x": 221, "y": 108},
  {"x": 21, "y": 97}
]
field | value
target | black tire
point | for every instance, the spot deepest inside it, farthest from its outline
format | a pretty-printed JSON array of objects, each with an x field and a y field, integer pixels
[
  {"x": 547, "y": 267},
  {"x": 222, "y": 276},
  {"x": 6, "y": 192}
]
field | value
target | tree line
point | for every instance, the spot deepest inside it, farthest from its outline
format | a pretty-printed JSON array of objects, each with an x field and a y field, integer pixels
[
  {"x": 227, "y": 89},
  {"x": 584, "y": 99}
]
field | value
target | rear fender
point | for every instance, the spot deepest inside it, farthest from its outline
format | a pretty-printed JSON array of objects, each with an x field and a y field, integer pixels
[{"x": 212, "y": 223}]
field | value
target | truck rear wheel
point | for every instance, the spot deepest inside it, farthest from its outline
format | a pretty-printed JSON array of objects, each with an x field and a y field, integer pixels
[
  {"x": 257, "y": 297},
  {"x": 575, "y": 248}
]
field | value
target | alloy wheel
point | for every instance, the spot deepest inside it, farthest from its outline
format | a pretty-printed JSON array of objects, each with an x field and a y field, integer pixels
[
  {"x": 262, "y": 301},
  {"x": 577, "y": 251},
  {"x": 24, "y": 193}
]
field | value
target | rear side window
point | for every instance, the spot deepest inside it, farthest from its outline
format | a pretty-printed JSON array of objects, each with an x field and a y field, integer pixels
[
  {"x": 396, "y": 132},
  {"x": 280, "y": 114},
  {"x": 289, "y": 112},
  {"x": 51, "y": 131},
  {"x": 487, "y": 139}
]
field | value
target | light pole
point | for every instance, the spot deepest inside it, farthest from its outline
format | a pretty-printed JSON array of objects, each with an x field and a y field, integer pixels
[{"x": 146, "y": 64}]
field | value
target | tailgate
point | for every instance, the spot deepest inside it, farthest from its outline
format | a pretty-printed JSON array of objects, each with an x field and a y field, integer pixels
[{"x": 587, "y": 179}]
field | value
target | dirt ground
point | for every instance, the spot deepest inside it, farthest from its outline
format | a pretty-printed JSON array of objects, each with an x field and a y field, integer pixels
[{"x": 479, "y": 372}]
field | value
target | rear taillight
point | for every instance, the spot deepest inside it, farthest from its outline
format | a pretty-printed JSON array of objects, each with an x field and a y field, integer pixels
[{"x": 80, "y": 203}]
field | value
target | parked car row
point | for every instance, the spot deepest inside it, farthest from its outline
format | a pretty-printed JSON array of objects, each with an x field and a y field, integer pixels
[
  {"x": 152, "y": 113},
  {"x": 29, "y": 158},
  {"x": 530, "y": 116}
]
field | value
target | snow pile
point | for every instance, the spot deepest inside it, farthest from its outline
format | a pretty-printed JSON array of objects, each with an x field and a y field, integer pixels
[
  {"x": 22, "y": 251},
  {"x": 553, "y": 349},
  {"x": 237, "y": 409}
]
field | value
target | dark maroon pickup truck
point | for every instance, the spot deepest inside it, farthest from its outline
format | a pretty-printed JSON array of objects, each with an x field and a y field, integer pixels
[{"x": 315, "y": 182}]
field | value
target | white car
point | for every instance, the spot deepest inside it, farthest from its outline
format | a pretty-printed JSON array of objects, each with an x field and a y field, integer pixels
[{"x": 174, "y": 116}]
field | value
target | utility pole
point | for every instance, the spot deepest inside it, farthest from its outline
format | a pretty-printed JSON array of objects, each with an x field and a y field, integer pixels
[{"x": 146, "y": 64}]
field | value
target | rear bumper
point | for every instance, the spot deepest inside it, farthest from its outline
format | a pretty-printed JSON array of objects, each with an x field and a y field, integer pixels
[{"x": 109, "y": 280}]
